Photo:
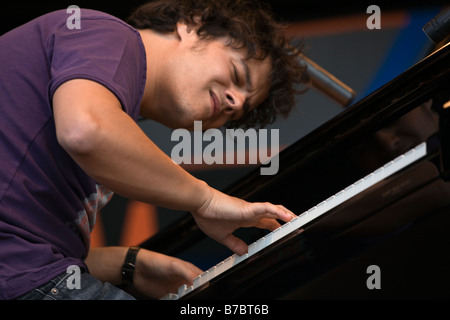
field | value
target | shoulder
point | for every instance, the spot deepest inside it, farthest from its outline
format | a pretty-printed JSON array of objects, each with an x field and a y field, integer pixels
[
  {"x": 93, "y": 15},
  {"x": 87, "y": 29}
]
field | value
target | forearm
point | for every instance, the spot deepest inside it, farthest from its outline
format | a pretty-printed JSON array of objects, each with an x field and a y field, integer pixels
[
  {"x": 129, "y": 163},
  {"x": 106, "y": 263},
  {"x": 155, "y": 274}
]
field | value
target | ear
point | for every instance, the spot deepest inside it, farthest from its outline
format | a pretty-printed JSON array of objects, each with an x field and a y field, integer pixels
[{"x": 186, "y": 31}]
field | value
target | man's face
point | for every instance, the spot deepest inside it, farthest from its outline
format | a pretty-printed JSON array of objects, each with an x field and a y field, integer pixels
[{"x": 211, "y": 82}]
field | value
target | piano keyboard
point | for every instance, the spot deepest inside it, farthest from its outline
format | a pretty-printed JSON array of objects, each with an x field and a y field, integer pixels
[{"x": 359, "y": 186}]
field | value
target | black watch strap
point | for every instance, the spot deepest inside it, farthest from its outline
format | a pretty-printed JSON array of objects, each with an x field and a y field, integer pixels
[{"x": 129, "y": 265}]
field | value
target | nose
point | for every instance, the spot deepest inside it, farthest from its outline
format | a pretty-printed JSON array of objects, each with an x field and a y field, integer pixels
[{"x": 234, "y": 101}]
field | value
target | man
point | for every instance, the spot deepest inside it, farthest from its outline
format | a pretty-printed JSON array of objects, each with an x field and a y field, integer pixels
[{"x": 70, "y": 98}]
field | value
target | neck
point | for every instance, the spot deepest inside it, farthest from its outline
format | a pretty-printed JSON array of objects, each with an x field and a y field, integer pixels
[{"x": 157, "y": 48}]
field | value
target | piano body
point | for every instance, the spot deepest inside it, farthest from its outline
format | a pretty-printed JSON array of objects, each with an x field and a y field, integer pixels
[{"x": 398, "y": 226}]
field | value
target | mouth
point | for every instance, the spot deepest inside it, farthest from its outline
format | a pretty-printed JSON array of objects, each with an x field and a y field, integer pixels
[{"x": 215, "y": 103}]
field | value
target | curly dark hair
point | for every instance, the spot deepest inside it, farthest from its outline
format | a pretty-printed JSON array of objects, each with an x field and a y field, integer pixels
[{"x": 249, "y": 25}]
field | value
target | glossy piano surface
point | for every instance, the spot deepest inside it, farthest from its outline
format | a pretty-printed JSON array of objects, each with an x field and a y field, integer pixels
[{"x": 399, "y": 225}]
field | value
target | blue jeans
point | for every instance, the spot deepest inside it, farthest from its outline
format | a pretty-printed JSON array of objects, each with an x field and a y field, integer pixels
[{"x": 90, "y": 289}]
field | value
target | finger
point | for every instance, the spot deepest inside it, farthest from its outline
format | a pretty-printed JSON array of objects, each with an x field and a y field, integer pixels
[
  {"x": 272, "y": 211},
  {"x": 235, "y": 244},
  {"x": 268, "y": 224},
  {"x": 293, "y": 215},
  {"x": 186, "y": 271},
  {"x": 194, "y": 270}
]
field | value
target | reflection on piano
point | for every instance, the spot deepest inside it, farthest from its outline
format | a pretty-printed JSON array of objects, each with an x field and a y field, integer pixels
[{"x": 371, "y": 189}]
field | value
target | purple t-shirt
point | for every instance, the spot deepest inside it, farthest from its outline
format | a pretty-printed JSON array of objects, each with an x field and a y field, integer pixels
[{"x": 48, "y": 204}]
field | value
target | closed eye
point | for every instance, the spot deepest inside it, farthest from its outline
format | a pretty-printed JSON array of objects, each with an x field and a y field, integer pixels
[{"x": 236, "y": 74}]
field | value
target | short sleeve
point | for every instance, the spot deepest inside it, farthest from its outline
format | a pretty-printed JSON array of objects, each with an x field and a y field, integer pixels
[{"x": 105, "y": 50}]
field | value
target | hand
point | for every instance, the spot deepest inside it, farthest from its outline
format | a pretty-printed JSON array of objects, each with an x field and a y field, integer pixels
[
  {"x": 221, "y": 215},
  {"x": 157, "y": 274}
]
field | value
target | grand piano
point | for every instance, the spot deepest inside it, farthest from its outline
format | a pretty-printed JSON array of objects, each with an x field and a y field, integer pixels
[{"x": 371, "y": 190}]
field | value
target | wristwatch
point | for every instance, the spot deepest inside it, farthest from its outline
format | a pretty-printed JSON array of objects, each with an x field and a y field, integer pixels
[{"x": 129, "y": 265}]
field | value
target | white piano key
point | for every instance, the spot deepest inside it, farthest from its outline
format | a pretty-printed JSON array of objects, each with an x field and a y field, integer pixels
[
  {"x": 256, "y": 246},
  {"x": 211, "y": 272},
  {"x": 359, "y": 186},
  {"x": 330, "y": 202},
  {"x": 221, "y": 268},
  {"x": 297, "y": 222},
  {"x": 339, "y": 198},
  {"x": 322, "y": 207},
  {"x": 283, "y": 231},
  {"x": 205, "y": 277},
  {"x": 302, "y": 220},
  {"x": 311, "y": 212},
  {"x": 397, "y": 165},
  {"x": 421, "y": 150},
  {"x": 189, "y": 289},
  {"x": 388, "y": 168},
  {"x": 232, "y": 261},
  {"x": 276, "y": 235},
  {"x": 228, "y": 263},
  {"x": 369, "y": 180},
  {"x": 286, "y": 228},
  {"x": 308, "y": 216},
  {"x": 260, "y": 243},
  {"x": 411, "y": 153},
  {"x": 181, "y": 290},
  {"x": 378, "y": 174},
  {"x": 316, "y": 211},
  {"x": 239, "y": 259},
  {"x": 252, "y": 249},
  {"x": 268, "y": 239},
  {"x": 170, "y": 296},
  {"x": 350, "y": 191},
  {"x": 197, "y": 281}
]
